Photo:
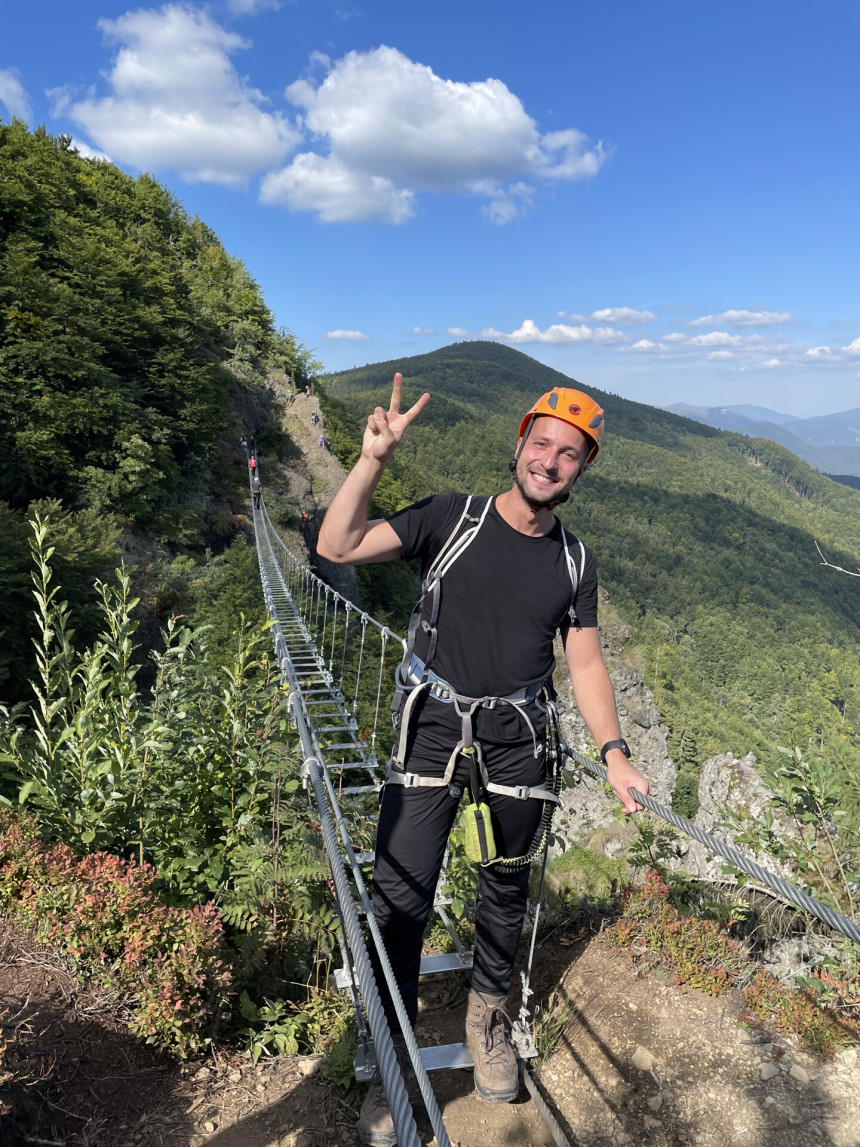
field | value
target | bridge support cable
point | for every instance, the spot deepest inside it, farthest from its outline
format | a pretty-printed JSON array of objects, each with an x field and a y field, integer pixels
[
  {"x": 294, "y": 664},
  {"x": 797, "y": 896}
]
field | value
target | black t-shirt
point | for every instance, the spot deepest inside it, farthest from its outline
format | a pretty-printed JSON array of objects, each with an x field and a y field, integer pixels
[{"x": 502, "y": 601}]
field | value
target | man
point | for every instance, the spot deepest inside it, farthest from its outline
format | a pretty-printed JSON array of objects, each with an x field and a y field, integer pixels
[
  {"x": 486, "y": 645},
  {"x": 256, "y": 490}
]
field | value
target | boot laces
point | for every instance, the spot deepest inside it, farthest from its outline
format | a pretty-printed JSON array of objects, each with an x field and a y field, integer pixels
[{"x": 495, "y": 1045}]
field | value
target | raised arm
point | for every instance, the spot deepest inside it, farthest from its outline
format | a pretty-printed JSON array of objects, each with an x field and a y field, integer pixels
[
  {"x": 595, "y": 699},
  {"x": 346, "y": 536}
]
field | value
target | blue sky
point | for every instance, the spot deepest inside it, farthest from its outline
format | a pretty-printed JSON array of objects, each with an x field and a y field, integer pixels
[{"x": 660, "y": 200}]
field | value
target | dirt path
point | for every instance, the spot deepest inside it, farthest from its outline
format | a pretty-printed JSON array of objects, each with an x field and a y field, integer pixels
[
  {"x": 325, "y": 472},
  {"x": 636, "y": 1061}
]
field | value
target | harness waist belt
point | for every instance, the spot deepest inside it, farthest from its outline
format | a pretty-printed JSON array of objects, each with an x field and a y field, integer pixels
[{"x": 418, "y": 673}]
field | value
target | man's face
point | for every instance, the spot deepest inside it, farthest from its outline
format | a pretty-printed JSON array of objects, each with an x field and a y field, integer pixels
[{"x": 552, "y": 459}]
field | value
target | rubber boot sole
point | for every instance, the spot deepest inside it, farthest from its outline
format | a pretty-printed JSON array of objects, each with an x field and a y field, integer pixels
[{"x": 496, "y": 1096}]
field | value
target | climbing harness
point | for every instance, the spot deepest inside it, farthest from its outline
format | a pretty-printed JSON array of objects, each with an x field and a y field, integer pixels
[{"x": 414, "y": 679}]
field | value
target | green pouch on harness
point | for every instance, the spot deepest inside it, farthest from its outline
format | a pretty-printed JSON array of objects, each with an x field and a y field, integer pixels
[{"x": 480, "y": 845}]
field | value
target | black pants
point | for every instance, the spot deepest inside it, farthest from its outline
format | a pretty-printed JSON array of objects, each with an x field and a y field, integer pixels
[{"x": 414, "y": 826}]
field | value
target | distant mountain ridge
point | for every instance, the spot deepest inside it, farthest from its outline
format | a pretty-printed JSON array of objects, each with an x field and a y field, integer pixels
[{"x": 829, "y": 442}]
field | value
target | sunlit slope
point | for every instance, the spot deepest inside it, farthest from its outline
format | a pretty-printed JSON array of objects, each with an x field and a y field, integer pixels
[{"x": 705, "y": 541}]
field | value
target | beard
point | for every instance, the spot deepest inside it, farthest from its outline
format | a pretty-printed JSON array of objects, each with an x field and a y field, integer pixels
[{"x": 546, "y": 502}]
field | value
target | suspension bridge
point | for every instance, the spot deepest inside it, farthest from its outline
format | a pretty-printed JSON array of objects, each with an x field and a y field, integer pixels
[{"x": 337, "y": 663}]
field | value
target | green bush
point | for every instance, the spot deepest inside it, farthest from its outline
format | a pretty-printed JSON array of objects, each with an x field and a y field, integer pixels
[{"x": 169, "y": 965}]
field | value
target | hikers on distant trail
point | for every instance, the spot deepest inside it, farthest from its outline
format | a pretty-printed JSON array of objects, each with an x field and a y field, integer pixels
[
  {"x": 243, "y": 442},
  {"x": 252, "y": 463},
  {"x": 314, "y": 418},
  {"x": 256, "y": 491},
  {"x": 306, "y": 520}
]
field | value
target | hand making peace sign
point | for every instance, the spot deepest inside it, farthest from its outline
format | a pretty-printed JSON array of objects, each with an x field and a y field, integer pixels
[{"x": 386, "y": 428}]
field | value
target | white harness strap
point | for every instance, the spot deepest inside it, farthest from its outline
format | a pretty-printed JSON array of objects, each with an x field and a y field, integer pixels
[
  {"x": 575, "y": 574},
  {"x": 397, "y": 773},
  {"x": 455, "y": 545}
]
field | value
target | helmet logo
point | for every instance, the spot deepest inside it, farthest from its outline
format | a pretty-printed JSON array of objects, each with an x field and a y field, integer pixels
[{"x": 575, "y": 409}]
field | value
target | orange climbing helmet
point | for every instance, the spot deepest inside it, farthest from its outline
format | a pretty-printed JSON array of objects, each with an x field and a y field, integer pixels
[{"x": 570, "y": 406}]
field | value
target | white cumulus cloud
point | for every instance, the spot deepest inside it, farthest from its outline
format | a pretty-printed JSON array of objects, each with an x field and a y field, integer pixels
[
  {"x": 853, "y": 347},
  {"x": 716, "y": 338},
  {"x": 348, "y": 336},
  {"x": 84, "y": 149},
  {"x": 530, "y": 332},
  {"x": 742, "y": 319},
  {"x": 828, "y": 354},
  {"x": 457, "y": 332},
  {"x": 423, "y": 331},
  {"x": 393, "y": 128},
  {"x": 645, "y": 346},
  {"x": 338, "y": 193},
  {"x": 623, "y": 316},
  {"x": 178, "y": 102},
  {"x": 719, "y": 356},
  {"x": 13, "y": 96}
]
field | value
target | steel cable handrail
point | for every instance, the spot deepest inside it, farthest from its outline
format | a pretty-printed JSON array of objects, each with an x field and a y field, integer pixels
[{"x": 776, "y": 883}]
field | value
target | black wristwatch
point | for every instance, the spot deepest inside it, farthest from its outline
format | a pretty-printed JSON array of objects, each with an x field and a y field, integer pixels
[{"x": 619, "y": 744}]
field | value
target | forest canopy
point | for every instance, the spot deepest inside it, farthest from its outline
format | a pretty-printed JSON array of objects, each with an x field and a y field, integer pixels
[{"x": 127, "y": 336}]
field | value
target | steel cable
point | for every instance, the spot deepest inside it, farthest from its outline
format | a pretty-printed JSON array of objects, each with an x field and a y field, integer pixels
[{"x": 776, "y": 883}]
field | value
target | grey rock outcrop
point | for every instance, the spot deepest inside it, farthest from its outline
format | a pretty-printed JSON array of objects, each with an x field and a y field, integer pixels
[
  {"x": 587, "y": 814},
  {"x": 727, "y": 783}
]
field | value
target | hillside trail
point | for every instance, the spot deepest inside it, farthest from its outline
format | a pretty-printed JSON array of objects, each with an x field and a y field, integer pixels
[{"x": 323, "y": 470}]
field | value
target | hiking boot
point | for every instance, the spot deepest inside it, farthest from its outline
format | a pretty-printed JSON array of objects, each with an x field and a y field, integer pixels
[
  {"x": 375, "y": 1125},
  {"x": 497, "y": 1077}
]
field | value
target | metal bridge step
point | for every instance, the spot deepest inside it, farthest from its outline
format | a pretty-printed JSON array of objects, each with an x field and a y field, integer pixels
[
  {"x": 356, "y": 745},
  {"x": 446, "y": 1056},
  {"x": 445, "y": 962}
]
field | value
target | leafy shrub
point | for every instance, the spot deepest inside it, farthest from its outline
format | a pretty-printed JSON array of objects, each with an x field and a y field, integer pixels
[
  {"x": 187, "y": 774},
  {"x": 799, "y": 1013},
  {"x": 197, "y": 778},
  {"x": 169, "y": 964}
]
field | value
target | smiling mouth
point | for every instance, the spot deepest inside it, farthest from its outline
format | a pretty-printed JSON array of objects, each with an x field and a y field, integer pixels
[{"x": 542, "y": 479}]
